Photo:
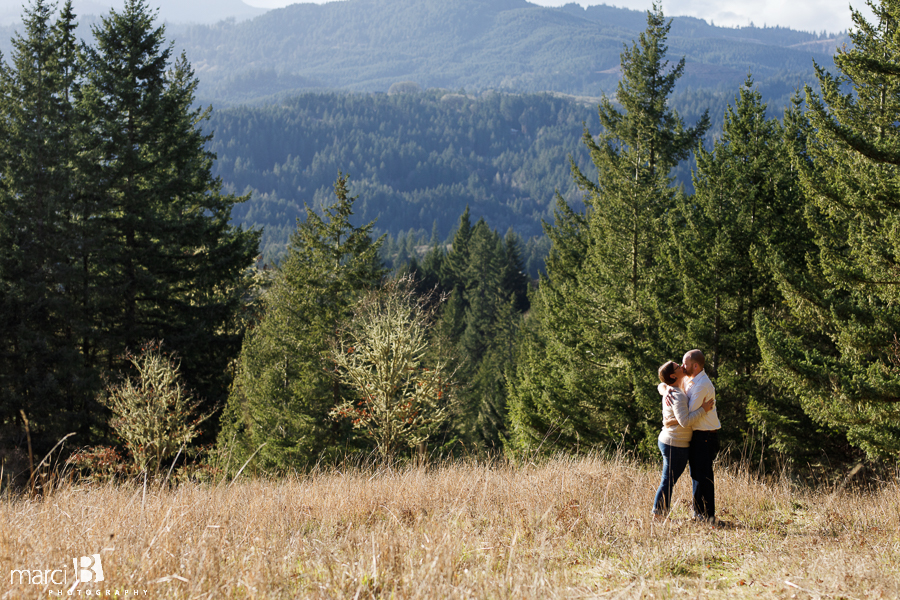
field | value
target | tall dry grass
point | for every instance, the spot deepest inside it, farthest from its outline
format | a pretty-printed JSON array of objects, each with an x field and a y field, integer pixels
[{"x": 565, "y": 528}]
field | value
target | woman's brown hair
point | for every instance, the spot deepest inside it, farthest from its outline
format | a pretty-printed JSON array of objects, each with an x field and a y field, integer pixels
[{"x": 667, "y": 373}]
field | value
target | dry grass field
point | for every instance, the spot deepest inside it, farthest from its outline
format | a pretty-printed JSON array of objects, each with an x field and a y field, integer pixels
[{"x": 564, "y": 528}]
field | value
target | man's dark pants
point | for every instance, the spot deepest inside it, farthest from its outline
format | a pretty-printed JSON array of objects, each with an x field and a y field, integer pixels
[{"x": 703, "y": 451}]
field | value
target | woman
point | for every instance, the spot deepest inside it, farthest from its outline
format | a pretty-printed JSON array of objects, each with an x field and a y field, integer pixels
[{"x": 674, "y": 440}]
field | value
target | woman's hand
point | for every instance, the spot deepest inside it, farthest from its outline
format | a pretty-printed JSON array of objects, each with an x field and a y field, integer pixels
[
  {"x": 709, "y": 404},
  {"x": 670, "y": 422}
]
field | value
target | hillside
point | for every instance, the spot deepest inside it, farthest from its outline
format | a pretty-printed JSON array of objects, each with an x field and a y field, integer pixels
[
  {"x": 510, "y": 45},
  {"x": 507, "y": 45},
  {"x": 415, "y": 160},
  {"x": 419, "y": 159},
  {"x": 172, "y": 11}
]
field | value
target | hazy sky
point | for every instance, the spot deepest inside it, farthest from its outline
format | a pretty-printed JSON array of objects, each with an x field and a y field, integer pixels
[{"x": 805, "y": 15}]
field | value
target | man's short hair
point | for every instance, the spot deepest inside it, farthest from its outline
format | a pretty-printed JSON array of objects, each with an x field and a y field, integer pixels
[{"x": 697, "y": 356}]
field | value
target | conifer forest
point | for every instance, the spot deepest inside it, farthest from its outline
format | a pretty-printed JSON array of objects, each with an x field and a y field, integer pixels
[{"x": 505, "y": 279}]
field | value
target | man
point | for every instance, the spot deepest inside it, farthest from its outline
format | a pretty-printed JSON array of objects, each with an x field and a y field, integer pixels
[{"x": 705, "y": 440}]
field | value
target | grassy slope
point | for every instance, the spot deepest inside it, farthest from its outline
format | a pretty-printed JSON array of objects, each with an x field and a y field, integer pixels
[{"x": 563, "y": 529}]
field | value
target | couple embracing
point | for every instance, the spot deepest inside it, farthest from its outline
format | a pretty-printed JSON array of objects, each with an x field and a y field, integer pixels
[{"x": 690, "y": 434}]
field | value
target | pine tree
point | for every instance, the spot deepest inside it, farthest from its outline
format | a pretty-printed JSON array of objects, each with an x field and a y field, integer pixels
[
  {"x": 601, "y": 305},
  {"x": 490, "y": 379},
  {"x": 515, "y": 279},
  {"x": 457, "y": 259},
  {"x": 839, "y": 352},
  {"x": 451, "y": 270},
  {"x": 552, "y": 392},
  {"x": 481, "y": 398},
  {"x": 428, "y": 273},
  {"x": 285, "y": 388},
  {"x": 482, "y": 282},
  {"x": 41, "y": 370},
  {"x": 168, "y": 265},
  {"x": 487, "y": 290},
  {"x": 723, "y": 239}
]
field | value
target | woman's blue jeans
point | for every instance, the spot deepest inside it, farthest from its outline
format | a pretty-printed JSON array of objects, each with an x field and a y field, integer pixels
[{"x": 674, "y": 462}]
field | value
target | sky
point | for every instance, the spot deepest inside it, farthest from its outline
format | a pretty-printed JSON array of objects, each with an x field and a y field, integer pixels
[{"x": 803, "y": 15}]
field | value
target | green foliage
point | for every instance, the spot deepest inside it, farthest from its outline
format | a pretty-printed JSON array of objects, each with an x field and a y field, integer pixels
[
  {"x": 167, "y": 264},
  {"x": 483, "y": 276},
  {"x": 416, "y": 160},
  {"x": 604, "y": 281},
  {"x": 153, "y": 412},
  {"x": 778, "y": 257},
  {"x": 42, "y": 314},
  {"x": 113, "y": 230},
  {"x": 746, "y": 209},
  {"x": 419, "y": 160},
  {"x": 382, "y": 352},
  {"x": 284, "y": 390},
  {"x": 480, "y": 344},
  {"x": 553, "y": 395},
  {"x": 837, "y": 350}
]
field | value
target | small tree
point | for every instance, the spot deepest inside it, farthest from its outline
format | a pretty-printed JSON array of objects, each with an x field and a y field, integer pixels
[
  {"x": 277, "y": 413},
  {"x": 153, "y": 412},
  {"x": 384, "y": 354}
]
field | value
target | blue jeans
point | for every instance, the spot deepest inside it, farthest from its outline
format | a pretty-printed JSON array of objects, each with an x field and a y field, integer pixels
[
  {"x": 674, "y": 462},
  {"x": 703, "y": 451}
]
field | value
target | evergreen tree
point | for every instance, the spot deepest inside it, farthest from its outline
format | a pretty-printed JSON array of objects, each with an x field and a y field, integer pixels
[
  {"x": 839, "y": 353},
  {"x": 452, "y": 321},
  {"x": 490, "y": 379},
  {"x": 515, "y": 278},
  {"x": 429, "y": 271},
  {"x": 41, "y": 370},
  {"x": 552, "y": 393},
  {"x": 483, "y": 298},
  {"x": 284, "y": 389},
  {"x": 722, "y": 238},
  {"x": 602, "y": 304},
  {"x": 785, "y": 245},
  {"x": 451, "y": 270},
  {"x": 487, "y": 288},
  {"x": 457, "y": 260},
  {"x": 482, "y": 282},
  {"x": 168, "y": 266}
]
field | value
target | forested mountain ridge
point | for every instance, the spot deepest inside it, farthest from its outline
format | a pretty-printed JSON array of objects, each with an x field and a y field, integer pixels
[
  {"x": 415, "y": 160},
  {"x": 512, "y": 45},
  {"x": 172, "y": 11}
]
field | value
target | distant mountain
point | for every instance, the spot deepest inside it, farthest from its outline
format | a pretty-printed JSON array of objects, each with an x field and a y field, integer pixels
[
  {"x": 509, "y": 45},
  {"x": 506, "y": 45},
  {"x": 172, "y": 11},
  {"x": 475, "y": 134}
]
